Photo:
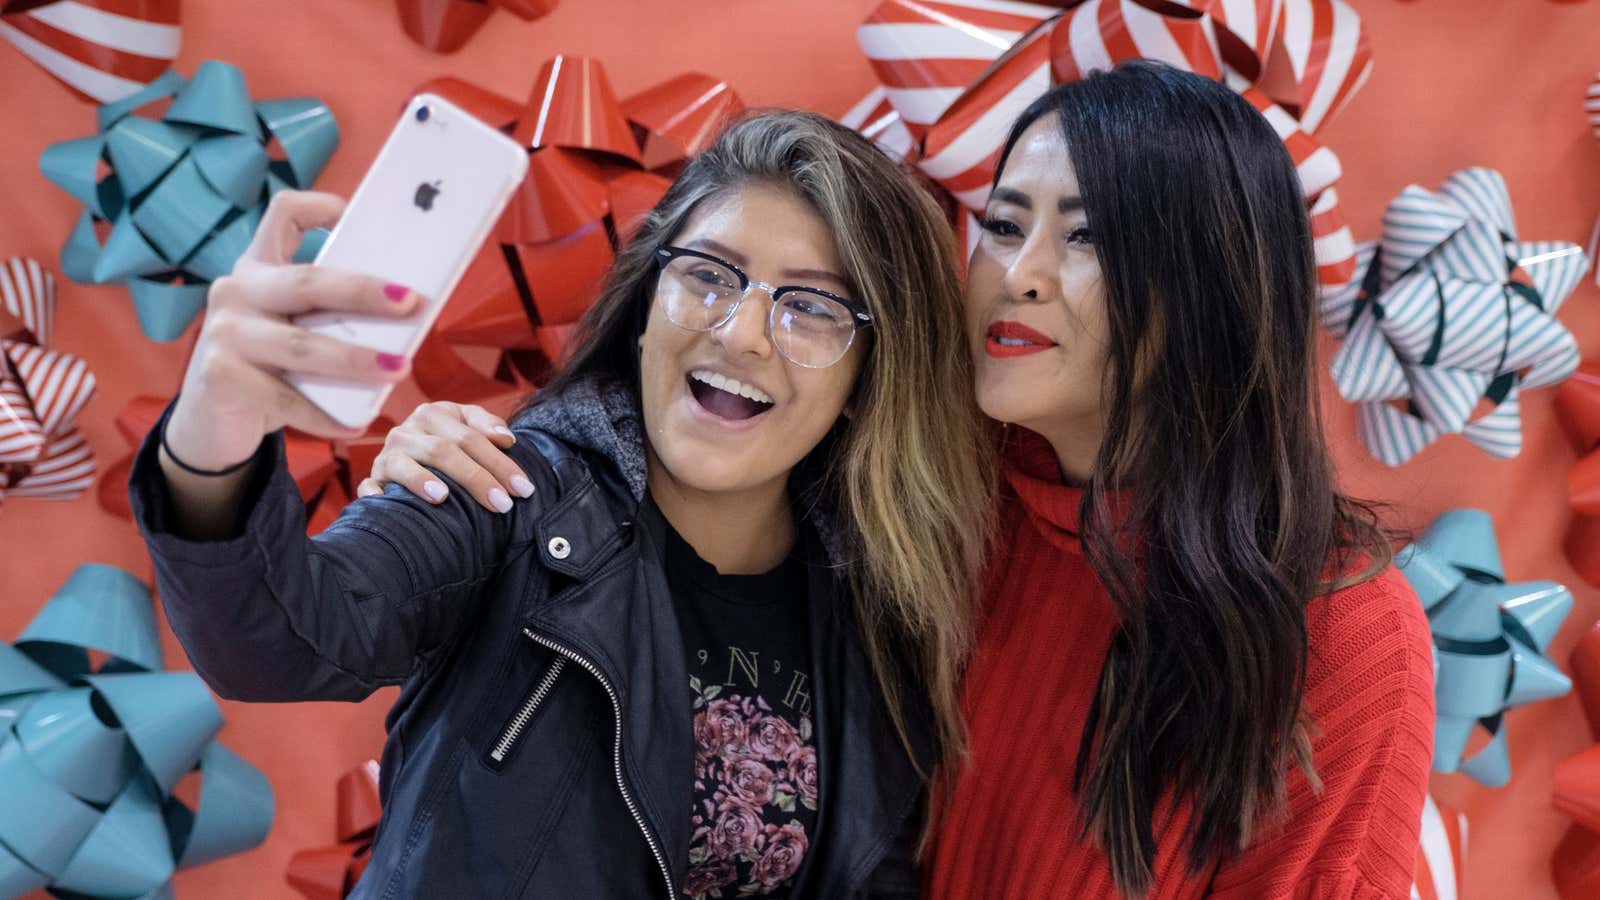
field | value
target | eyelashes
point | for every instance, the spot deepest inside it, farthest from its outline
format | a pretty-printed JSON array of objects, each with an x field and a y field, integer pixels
[{"x": 1007, "y": 228}]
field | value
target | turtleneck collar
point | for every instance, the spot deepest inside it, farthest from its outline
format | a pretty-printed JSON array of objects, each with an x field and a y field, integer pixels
[{"x": 1034, "y": 474}]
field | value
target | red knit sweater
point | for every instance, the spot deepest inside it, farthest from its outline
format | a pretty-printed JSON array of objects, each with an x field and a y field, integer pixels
[{"x": 1008, "y": 828}]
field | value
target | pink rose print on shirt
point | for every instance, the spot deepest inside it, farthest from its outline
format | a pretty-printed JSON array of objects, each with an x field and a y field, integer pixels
[
  {"x": 751, "y": 767},
  {"x": 736, "y": 831},
  {"x": 707, "y": 879},
  {"x": 802, "y": 762},
  {"x": 786, "y": 847},
  {"x": 772, "y": 738}
]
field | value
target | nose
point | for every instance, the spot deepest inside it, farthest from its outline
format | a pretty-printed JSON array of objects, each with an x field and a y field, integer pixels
[
  {"x": 1034, "y": 273},
  {"x": 746, "y": 331}
]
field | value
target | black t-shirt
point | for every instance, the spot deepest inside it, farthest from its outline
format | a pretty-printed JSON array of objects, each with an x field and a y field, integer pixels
[{"x": 748, "y": 645}]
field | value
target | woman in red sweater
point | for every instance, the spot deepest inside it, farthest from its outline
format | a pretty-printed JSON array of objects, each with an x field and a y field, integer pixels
[{"x": 1197, "y": 674}]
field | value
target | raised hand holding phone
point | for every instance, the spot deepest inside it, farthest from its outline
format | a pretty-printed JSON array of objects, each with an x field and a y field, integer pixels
[{"x": 234, "y": 390}]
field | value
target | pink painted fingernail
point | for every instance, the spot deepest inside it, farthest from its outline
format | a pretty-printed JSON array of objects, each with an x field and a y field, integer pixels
[
  {"x": 391, "y": 361},
  {"x": 395, "y": 292}
]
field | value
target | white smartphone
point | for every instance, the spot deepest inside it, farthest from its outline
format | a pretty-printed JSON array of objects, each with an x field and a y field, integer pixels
[{"x": 417, "y": 219}]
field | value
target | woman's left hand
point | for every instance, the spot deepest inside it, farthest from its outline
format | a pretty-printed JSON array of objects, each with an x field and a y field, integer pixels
[{"x": 463, "y": 442}]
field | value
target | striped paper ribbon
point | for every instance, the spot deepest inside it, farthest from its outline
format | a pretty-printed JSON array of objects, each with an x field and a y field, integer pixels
[
  {"x": 1447, "y": 311},
  {"x": 103, "y": 50},
  {"x": 958, "y": 72},
  {"x": 1442, "y": 856},
  {"x": 42, "y": 452}
]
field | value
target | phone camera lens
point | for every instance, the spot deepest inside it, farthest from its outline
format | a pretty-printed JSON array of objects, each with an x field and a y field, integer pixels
[{"x": 422, "y": 113}]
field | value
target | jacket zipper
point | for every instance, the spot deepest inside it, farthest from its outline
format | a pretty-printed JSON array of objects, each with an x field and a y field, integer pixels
[
  {"x": 616, "y": 752},
  {"x": 513, "y": 731}
]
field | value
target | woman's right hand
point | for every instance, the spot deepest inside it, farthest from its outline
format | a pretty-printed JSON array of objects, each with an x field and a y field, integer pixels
[
  {"x": 233, "y": 391},
  {"x": 464, "y": 442}
]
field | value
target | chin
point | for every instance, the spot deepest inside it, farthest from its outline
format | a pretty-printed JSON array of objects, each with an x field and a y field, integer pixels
[{"x": 707, "y": 470}]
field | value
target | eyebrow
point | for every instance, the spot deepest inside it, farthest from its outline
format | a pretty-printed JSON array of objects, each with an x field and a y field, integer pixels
[
  {"x": 1064, "y": 204},
  {"x": 739, "y": 259}
]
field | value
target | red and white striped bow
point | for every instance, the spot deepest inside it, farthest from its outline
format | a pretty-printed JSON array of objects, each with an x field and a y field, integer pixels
[
  {"x": 42, "y": 453},
  {"x": 958, "y": 72},
  {"x": 103, "y": 50}
]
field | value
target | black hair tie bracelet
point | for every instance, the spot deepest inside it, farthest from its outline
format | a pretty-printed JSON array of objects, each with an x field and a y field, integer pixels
[{"x": 193, "y": 470}]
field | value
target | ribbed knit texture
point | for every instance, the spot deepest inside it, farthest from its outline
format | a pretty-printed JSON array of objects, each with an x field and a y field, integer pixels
[{"x": 1009, "y": 826}]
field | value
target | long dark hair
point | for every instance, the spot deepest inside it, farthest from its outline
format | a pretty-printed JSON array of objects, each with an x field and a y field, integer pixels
[
  {"x": 909, "y": 474},
  {"x": 1232, "y": 523}
]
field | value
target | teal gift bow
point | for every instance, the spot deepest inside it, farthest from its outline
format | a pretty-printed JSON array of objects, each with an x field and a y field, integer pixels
[
  {"x": 1489, "y": 639},
  {"x": 89, "y": 756},
  {"x": 186, "y": 191}
]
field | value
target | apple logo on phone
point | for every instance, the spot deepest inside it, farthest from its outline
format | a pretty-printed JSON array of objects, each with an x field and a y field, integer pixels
[{"x": 426, "y": 191}]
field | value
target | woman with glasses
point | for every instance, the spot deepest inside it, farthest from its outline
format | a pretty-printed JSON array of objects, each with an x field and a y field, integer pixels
[
  {"x": 1197, "y": 674},
  {"x": 713, "y": 649}
]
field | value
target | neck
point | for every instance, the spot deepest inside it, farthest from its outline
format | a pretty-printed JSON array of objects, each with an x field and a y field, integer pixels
[
  {"x": 1076, "y": 445},
  {"x": 743, "y": 532}
]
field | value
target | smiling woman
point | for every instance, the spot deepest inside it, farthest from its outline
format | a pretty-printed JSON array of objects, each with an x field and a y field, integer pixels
[{"x": 727, "y": 616}]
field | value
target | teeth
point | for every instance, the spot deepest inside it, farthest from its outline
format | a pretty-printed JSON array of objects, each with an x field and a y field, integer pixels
[
  {"x": 1011, "y": 342},
  {"x": 731, "y": 385}
]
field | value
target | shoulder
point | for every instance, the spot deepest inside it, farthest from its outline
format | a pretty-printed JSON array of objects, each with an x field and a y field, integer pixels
[{"x": 1371, "y": 656}]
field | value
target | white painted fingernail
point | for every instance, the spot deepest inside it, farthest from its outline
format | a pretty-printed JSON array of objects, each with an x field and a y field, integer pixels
[
  {"x": 501, "y": 429},
  {"x": 522, "y": 486},
  {"x": 435, "y": 490},
  {"x": 499, "y": 500}
]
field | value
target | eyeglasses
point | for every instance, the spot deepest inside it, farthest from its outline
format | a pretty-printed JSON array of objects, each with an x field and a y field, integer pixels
[{"x": 810, "y": 327}]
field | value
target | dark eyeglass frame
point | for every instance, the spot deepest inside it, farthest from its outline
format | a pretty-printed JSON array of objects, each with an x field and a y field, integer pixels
[{"x": 860, "y": 318}]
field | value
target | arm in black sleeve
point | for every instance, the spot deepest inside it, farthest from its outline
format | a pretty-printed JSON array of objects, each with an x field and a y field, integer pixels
[{"x": 270, "y": 614}]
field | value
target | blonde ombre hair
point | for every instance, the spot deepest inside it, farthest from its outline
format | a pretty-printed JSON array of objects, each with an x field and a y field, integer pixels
[{"x": 908, "y": 473}]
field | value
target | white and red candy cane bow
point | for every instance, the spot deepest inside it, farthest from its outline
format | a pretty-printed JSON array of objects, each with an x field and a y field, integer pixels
[
  {"x": 42, "y": 453},
  {"x": 102, "y": 50},
  {"x": 1442, "y": 854},
  {"x": 959, "y": 72}
]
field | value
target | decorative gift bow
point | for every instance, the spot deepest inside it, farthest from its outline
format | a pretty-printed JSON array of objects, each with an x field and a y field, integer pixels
[
  {"x": 89, "y": 757},
  {"x": 42, "y": 453},
  {"x": 1449, "y": 309},
  {"x": 186, "y": 191},
  {"x": 328, "y": 873},
  {"x": 1489, "y": 639},
  {"x": 326, "y": 472},
  {"x": 956, "y": 73},
  {"x": 1578, "y": 404},
  {"x": 102, "y": 50},
  {"x": 445, "y": 25},
  {"x": 1442, "y": 854},
  {"x": 1576, "y": 863},
  {"x": 596, "y": 167}
]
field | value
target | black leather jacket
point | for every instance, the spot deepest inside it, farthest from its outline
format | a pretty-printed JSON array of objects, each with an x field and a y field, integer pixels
[{"x": 541, "y": 745}]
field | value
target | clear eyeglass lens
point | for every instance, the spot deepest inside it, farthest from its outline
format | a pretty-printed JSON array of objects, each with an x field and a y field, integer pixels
[
  {"x": 697, "y": 293},
  {"x": 812, "y": 329}
]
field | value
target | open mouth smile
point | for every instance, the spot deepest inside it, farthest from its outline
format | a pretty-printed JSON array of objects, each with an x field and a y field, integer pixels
[{"x": 727, "y": 398}]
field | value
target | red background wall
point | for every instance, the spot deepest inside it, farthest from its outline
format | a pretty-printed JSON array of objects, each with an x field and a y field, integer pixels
[{"x": 1468, "y": 82}]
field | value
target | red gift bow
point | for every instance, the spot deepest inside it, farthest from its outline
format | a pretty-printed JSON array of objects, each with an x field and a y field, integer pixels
[
  {"x": 596, "y": 167},
  {"x": 1578, "y": 404},
  {"x": 42, "y": 452},
  {"x": 326, "y": 472},
  {"x": 328, "y": 873},
  {"x": 958, "y": 72},
  {"x": 1576, "y": 862},
  {"x": 102, "y": 50},
  {"x": 446, "y": 25}
]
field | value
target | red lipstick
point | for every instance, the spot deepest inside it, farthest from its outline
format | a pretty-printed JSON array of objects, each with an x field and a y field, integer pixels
[{"x": 1008, "y": 339}]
